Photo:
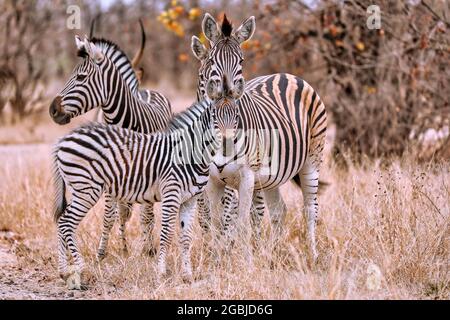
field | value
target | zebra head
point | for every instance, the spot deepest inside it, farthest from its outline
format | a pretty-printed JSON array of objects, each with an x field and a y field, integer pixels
[
  {"x": 219, "y": 127},
  {"x": 220, "y": 74},
  {"x": 85, "y": 89},
  {"x": 226, "y": 117}
]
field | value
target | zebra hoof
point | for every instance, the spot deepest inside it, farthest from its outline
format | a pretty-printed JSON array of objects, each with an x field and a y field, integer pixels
[
  {"x": 64, "y": 275},
  {"x": 73, "y": 281}
]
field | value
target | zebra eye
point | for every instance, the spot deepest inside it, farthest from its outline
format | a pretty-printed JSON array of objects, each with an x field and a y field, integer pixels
[{"x": 81, "y": 77}]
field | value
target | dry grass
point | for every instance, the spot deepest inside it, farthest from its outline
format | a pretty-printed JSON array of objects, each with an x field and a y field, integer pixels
[{"x": 395, "y": 217}]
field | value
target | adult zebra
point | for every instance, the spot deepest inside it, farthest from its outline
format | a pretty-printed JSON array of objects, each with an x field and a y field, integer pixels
[
  {"x": 171, "y": 167},
  {"x": 112, "y": 87},
  {"x": 282, "y": 129}
]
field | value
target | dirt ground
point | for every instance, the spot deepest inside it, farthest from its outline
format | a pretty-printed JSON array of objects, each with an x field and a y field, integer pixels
[{"x": 19, "y": 281}]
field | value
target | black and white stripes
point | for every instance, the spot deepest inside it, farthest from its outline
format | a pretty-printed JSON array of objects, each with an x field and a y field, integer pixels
[
  {"x": 105, "y": 79},
  {"x": 252, "y": 137},
  {"x": 135, "y": 167},
  {"x": 281, "y": 131},
  {"x": 95, "y": 84}
]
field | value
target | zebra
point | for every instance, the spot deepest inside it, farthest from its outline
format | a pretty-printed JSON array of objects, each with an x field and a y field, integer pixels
[
  {"x": 171, "y": 167},
  {"x": 106, "y": 80},
  {"x": 280, "y": 111}
]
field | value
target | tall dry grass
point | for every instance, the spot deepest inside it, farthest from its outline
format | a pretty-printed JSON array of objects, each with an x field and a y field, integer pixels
[{"x": 394, "y": 218}]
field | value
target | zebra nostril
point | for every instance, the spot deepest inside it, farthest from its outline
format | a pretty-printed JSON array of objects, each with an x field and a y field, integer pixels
[
  {"x": 55, "y": 107},
  {"x": 52, "y": 110}
]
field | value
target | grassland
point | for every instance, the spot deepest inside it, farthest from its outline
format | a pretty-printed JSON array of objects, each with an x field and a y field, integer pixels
[{"x": 383, "y": 233}]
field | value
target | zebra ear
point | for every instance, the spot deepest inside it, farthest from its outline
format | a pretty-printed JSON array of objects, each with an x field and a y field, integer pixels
[
  {"x": 93, "y": 51},
  {"x": 198, "y": 48},
  {"x": 81, "y": 47},
  {"x": 246, "y": 30},
  {"x": 79, "y": 43},
  {"x": 210, "y": 28}
]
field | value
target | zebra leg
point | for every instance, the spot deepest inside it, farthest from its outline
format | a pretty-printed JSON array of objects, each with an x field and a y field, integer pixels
[
  {"x": 309, "y": 178},
  {"x": 230, "y": 215},
  {"x": 67, "y": 225},
  {"x": 187, "y": 212},
  {"x": 257, "y": 214},
  {"x": 170, "y": 206},
  {"x": 124, "y": 216},
  {"x": 246, "y": 188},
  {"x": 62, "y": 255},
  {"x": 147, "y": 225},
  {"x": 277, "y": 210},
  {"x": 204, "y": 212},
  {"x": 230, "y": 212},
  {"x": 108, "y": 221},
  {"x": 229, "y": 203},
  {"x": 215, "y": 192}
]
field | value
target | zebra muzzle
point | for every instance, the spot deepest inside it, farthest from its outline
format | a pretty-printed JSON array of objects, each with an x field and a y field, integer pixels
[
  {"x": 57, "y": 113},
  {"x": 227, "y": 146}
]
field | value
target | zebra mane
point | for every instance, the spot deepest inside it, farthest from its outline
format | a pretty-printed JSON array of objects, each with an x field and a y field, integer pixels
[
  {"x": 187, "y": 117},
  {"x": 121, "y": 61},
  {"x": 227, "y": 26}
]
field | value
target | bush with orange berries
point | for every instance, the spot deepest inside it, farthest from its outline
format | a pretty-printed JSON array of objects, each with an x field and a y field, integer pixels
[{"x": 175, "y": 15}]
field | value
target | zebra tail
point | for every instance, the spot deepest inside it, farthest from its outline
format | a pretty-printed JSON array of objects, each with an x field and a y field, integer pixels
[{"x": 59, "y": 202}]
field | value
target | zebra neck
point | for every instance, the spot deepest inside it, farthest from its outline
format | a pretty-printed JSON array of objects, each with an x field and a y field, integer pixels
[
  {"x": 196, "y": 144},
  {"x": 123, "y": 106}
]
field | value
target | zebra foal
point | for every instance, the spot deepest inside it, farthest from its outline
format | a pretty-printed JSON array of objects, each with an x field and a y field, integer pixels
[{"x": 171, "y": 167}]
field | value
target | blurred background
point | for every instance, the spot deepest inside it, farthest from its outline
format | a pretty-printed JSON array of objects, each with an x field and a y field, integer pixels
[{"x": 386, "y": 89}]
